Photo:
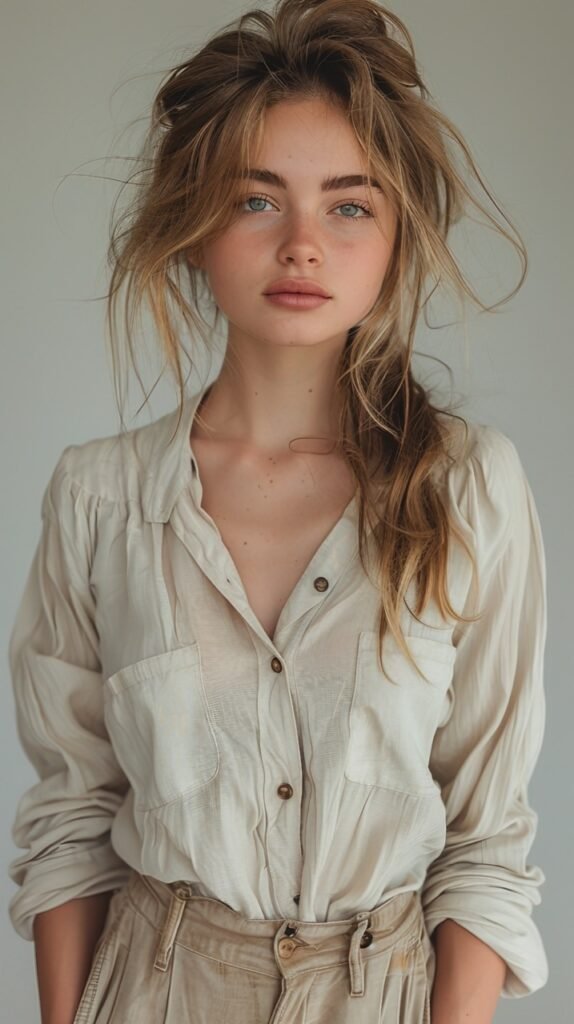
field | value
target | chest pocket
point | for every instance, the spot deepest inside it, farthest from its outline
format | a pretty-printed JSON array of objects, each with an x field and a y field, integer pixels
[
  {"x": 392, "y": 724},
  {"x": 157, "y": 716}
]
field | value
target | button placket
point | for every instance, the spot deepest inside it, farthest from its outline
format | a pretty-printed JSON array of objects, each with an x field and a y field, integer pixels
[{"x": 281, "y": 757}]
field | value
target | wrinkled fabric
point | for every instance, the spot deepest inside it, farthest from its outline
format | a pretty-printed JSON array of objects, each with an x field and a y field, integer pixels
[
  {"x": 288, "y": 775},
  {"x": 196, "y": 960}
]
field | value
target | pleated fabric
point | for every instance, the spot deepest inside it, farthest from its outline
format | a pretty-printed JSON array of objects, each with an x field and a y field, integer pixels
[{"x": 167, "y": 955}]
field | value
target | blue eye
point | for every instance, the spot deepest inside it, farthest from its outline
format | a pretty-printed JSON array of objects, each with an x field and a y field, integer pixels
[
  {"x": 257, "y": 199},
  {"x": 366, "y": 211},
  {"x": 356, "y": 206}
]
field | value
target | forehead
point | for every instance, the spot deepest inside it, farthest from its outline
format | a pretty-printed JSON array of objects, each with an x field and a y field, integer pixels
[{"x": 306, "y": 129}]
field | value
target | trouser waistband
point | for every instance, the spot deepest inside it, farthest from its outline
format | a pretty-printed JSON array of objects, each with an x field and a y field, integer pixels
[{"x": 266, "y": 946}]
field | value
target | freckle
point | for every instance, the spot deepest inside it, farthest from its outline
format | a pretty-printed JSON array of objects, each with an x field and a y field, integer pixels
[{"x": 245, "y": 542}]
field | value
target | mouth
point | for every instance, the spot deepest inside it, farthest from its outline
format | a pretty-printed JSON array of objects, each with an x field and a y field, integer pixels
[
  {"x": 296, "y": 300},
  {"x": 317, "y": 295},
  {"x": 297, "y": 286}
]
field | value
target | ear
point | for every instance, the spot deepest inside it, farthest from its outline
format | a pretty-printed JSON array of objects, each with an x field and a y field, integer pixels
[{"x": 195, "y": 260}]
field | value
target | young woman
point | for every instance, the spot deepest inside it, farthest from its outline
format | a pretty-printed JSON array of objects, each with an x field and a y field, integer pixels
[{"x": 278, "y": 660}]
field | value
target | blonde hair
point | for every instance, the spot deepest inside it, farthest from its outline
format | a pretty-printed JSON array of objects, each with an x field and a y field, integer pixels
[{"x": 207, "y": 120}]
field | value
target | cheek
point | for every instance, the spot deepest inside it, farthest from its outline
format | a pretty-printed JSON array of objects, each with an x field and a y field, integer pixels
[
  {"x": 382, "y": 259},
  {"x": 229, "y": 267},
  {"x": 365, "y": 248},
  {"x": 231, "y": 256},
  {"x": 367, "y": 265},
  {"x": 221, "y": 265}
]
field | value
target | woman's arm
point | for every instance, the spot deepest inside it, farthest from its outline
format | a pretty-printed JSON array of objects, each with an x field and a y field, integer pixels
[
  {"x": 468, "y": 979},
  {"x": 484, "y": 755},
  {"x": 68, "y": 867},
  {"x": 65, "y": 939}
]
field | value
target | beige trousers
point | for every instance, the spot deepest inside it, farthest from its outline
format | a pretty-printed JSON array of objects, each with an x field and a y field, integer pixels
[{"x": 169, "y": 956}]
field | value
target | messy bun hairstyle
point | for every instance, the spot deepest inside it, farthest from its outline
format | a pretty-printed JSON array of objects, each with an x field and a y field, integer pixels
[{"x": 206, "y": 124}]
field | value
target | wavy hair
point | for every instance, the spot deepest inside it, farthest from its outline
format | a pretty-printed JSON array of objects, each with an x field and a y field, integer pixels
[{"x": 207, "y": 120}]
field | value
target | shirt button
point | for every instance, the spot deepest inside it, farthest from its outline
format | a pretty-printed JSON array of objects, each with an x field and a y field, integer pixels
[
  {"x": 286, "y": 947},
  {"x": 276, "y": 665},
  {"x": 321, "y": 583},
  {"x": 366, "y": 939},
  {"x": 285, "y": 791}
]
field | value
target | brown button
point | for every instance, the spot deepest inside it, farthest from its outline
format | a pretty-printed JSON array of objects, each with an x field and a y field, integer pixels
[
  {"x": 366, "y": 939},
  {"x": 290, "y": 930},
  {"x": 286, "y": 948},
  {"x": 285, "y": 790},
  {"x": 276, "y": 665},
  {"x": 321, "y": 583}
]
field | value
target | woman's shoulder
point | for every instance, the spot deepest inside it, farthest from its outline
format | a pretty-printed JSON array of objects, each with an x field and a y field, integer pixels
[
  {"x": 485, "y": 477},
  {"x": 480, "y": 448},
  {"x": 124, "y": 466},
  {"x": 473, "y": 440}
]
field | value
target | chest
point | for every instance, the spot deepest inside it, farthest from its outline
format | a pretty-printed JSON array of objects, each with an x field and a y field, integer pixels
[{"x": 272, "y": 518}]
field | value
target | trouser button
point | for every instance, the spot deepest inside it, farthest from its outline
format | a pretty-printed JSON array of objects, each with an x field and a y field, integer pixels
[{"x": 286, "y": 947}]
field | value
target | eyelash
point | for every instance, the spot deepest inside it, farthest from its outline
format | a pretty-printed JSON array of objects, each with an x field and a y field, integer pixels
[{"x": 359, "y": 205}]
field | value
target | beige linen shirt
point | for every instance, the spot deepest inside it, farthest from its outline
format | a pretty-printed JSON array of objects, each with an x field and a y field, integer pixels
[{"x": 287, "y": 777}]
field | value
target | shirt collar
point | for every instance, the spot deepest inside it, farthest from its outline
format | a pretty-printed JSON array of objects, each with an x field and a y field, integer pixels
[{"x": 168, "y": 466}]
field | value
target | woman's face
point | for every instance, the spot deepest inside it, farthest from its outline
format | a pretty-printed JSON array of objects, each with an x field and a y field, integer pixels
[{"x": 302, "y": 230}]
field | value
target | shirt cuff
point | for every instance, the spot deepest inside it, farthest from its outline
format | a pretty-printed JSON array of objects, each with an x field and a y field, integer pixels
[
  {"x": 49, "y": 882},
  {"x": 505, "y": 928}
]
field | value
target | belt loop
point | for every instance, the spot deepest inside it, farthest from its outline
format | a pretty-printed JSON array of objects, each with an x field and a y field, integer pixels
[
  {"x": 356, "y": 964},
  {"x": 179, "y": 896}
]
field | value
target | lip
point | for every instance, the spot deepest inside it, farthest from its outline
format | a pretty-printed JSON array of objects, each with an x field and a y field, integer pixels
[
  {"x": 297, "y": 285},
  {"x": 297, "y": 300}
]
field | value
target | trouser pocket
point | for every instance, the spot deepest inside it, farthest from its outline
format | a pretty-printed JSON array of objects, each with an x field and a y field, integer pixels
[{"x": 102, "y": 951}]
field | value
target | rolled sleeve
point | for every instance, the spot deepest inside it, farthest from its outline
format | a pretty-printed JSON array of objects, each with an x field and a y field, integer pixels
[
  {"x": 484, "y": 756},
  {"x": 63, "y": 821}
]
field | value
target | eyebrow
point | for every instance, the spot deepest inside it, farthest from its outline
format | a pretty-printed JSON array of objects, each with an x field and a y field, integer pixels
[{"x": 327, "y": 185}]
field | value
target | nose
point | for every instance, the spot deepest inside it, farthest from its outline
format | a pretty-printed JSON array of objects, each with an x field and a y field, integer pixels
[{"x": 301, "y": 240}]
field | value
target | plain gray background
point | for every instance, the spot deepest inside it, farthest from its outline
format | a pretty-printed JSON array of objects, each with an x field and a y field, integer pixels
[{"x": 75, "y": 76}]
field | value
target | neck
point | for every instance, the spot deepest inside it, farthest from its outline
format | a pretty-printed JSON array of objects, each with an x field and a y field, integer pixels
[{"x": 273, "y": 409}]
